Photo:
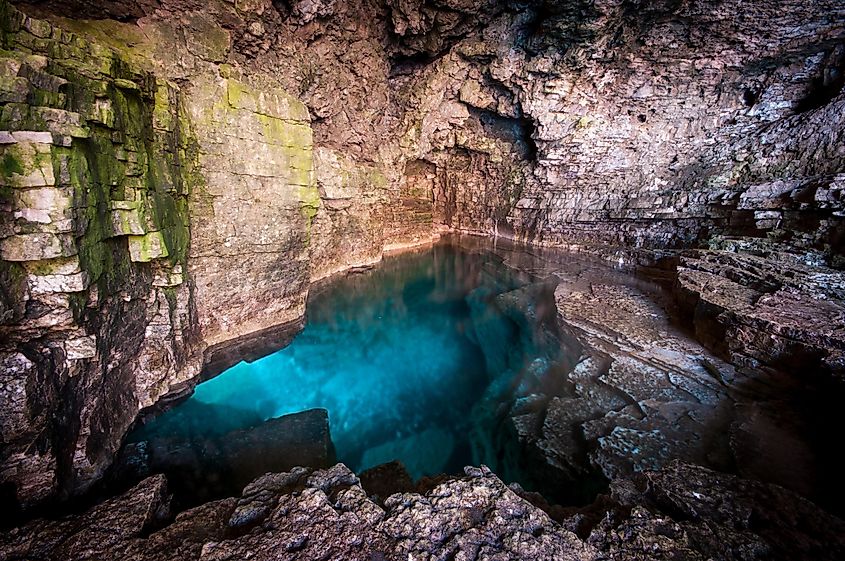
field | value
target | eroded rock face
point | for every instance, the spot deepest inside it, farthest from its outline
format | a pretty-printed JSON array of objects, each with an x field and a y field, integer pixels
[
  {"x": 679, "y": 512},
  {"x": 632, "y": 389},
  {"x": 98, "y": 319},
  {"x": 766, "y": 311},
  {"x": 624, "y": 124},
  {"x": 156, "y": 203},
  {"x": 175, "y": 177}
]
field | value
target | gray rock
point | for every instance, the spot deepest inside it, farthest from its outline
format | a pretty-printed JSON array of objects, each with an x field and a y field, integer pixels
[{"x": 682, "y": 510}]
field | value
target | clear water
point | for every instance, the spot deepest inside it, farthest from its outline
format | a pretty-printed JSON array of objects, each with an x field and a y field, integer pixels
[
  {"x": 429, "y": 358},
  {"x": 393, "y": 354}
]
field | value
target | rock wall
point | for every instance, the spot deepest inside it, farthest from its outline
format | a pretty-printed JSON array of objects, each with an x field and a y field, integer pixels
[
  {"x": 97, "y": 317},
  {"x": 174, "y": 177},
  {"x": 156, "y": 203},
  {"x": 627, "y": 124},
  {"x": 253, "y": 215}
]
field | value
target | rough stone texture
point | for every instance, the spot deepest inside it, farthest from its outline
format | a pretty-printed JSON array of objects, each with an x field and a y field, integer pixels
[
  {"x": 156, "y": 202},
  {"x": 90, "y": 223},
  {"x": 743, "y": 520},
  {"x": 256, "y": 211},
  {"x": 577, "y": 123},
  {"x": 651, "y": 128},
  {"x": 222, "y": 155},
  {"x": 632, "y": 389},
  {"x": 681, "y": 512},
  {"x": 763, "y": 311},
  {"x": 256, "y": 195},
  {"x": 410, "y": 215},
  {"x": 348, "y": 229}
]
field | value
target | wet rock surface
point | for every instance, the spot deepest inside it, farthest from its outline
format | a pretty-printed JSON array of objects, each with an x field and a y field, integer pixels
[
  {"x": 642, "y": 390},
  {"x": 681, "y": 511},
  {"x": 761, "y": 311}
]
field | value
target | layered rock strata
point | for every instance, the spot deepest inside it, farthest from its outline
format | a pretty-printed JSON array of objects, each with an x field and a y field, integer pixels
[
  {"x": 155, "y": 205},
  {"x": 98, "y": 319},
  {"x": 616, "y": 386},
  {"x": 175, "y": 177},
  {"x": 114, "y": 286}
]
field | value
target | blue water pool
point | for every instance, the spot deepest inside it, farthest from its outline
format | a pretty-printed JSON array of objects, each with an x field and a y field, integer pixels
[{"x": 407, "y": 358}]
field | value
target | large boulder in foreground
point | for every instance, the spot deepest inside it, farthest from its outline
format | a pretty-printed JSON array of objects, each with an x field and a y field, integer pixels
[{"x": 208, "y": 467}]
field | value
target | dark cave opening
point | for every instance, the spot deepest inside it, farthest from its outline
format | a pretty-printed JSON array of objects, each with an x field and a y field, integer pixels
[
  {"x": 556, "y": 25},
  {"x": 517, "y": 131},
  {"x": 827, "y": 85},
  {"x": 409, "y": 64},
  {"x": 527, "y": 129},
  {"x": 750, "y": 97}
]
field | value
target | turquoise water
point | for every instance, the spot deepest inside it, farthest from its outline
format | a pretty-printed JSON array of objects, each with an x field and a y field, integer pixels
[
  {"x": 393, "y": 354},
  {"x": 435, "y": 359}
]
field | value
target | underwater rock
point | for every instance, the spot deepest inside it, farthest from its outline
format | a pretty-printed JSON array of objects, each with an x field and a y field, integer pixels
[
  {"x": 645, "y": 392},
  {"x": 665, "y": 403},
  {"x": 426, "y": 452},
  {"x": 679, "y": 512},
  {"x": 214, "y": 466},
  {"x": 387, "y": 479}
]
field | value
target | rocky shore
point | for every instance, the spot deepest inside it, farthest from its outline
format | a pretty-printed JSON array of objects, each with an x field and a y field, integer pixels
[
  {"x": 175, "y": 175},
  {"x": 679, "y": 512}
]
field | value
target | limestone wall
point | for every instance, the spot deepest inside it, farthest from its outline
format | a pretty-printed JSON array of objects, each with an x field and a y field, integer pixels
[
  {"x": 178, "y": 178},
  {"x": 98, "y": 315},
  {"x": 158, "y": 200},
  {"x": 614, "y": 123},
  {"x": 252, "y": 214}
]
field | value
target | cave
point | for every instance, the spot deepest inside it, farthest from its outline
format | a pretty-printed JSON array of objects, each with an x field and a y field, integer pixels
[{"x": 429, "y": 279}]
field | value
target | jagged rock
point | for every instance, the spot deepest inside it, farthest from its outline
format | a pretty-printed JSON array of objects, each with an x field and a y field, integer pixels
[
  {"x": 101, "y": 531},
  {"x": 269, "y": 144},
  {"x": 744, "y": 519},
  {"x": 681, "y": 510},
  {"x": 643, "y": 393},
  {"x": 764, "y": 311}
]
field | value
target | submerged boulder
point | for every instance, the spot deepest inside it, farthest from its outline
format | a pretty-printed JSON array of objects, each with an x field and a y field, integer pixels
[{"x": 214, "y": 466}]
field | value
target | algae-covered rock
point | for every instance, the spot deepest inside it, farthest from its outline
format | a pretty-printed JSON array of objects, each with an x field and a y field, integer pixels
[
  {"x": 83, "y": 199},
  {"x": 147, "y": 247},
  {"x": 26, "y": 163}
]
